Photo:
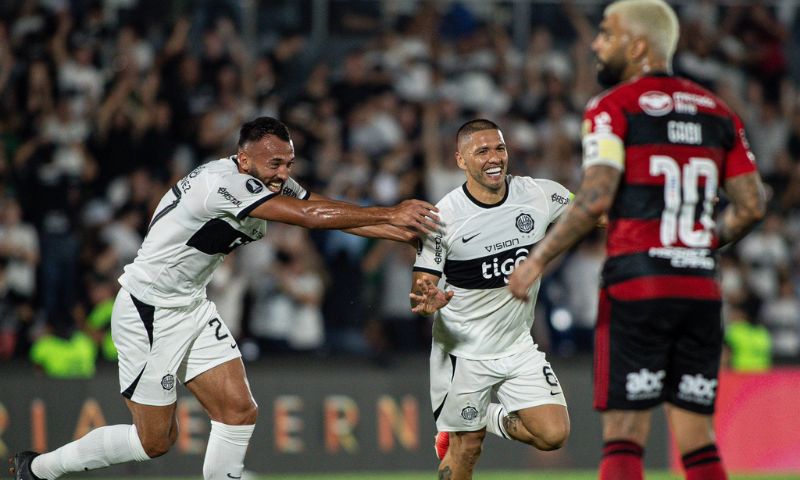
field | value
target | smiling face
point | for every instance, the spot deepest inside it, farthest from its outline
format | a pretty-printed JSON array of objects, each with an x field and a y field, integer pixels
[
  {"x": 269, "y": 159},
  {"x": 484, "y": 158}
]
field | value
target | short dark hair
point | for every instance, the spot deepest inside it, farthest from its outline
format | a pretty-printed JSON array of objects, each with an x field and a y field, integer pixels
[
  {"x": 255, "y": 130},
  {"x": 477, "y": 125}
]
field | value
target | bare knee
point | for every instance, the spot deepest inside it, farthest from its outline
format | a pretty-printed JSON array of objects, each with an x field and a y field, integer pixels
[
  {"x": 243, "y": 412},
  {"x": 553, "y": 437},
  {"x": 156, "y": 445}
]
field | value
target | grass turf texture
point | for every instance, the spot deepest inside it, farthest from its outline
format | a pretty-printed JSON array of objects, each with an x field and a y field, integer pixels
[{"x": 496, "y": 475}]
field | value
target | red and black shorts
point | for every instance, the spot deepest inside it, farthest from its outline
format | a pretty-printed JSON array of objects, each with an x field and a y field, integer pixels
[{"x": 651, "y": 351}]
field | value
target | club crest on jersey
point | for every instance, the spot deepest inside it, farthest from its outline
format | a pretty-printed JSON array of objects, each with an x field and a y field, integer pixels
[
  {"x": 254, "y": 186},
  {"x": 167, "y": 382},
  {"x": 524, "y": 223},
  {"x": 655, "y": 103},
  {"x": 469, "y": 413}
]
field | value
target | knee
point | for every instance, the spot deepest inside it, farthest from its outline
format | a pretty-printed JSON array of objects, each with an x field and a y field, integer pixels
[
  {"x": 241, "y": 413},
  {"x": 553, "y": 437},
  {"x": 157, "y": 445}
]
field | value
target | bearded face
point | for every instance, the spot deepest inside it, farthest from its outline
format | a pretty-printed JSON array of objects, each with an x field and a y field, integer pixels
[{"x": 610, "y": 71}]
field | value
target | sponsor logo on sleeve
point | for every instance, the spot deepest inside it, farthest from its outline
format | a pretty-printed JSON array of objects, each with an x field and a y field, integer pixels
[
  {"x": 288, "y": 192},
  {"x": 602, "y": 122},
  {"x": 556, "y": 198},
  {"x": 229, "y": 196},
  {"x": 437, "y": 250},
  {"x": 254, "y": 186},
  {"x": 655, "y": 103}
]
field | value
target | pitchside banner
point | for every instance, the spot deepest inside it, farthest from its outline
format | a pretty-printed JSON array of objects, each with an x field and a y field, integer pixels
[{"x": 314, "y": 416}]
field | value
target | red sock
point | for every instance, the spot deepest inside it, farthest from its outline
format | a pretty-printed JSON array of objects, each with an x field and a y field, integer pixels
[
  {"x": 704, "y": 464},
  {"x": 622, "y": 460}
]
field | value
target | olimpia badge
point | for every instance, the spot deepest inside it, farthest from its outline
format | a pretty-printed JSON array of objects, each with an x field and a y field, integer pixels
[{"x": 524, "y": 223}]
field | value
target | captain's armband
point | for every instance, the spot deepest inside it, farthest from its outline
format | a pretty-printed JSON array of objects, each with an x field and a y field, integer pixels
[{"x": 603, "y": 148}]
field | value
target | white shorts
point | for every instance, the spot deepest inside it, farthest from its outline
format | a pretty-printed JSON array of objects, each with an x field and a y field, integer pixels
[
  {"x": 159, "y": 346},
  {"x": 461, "y": 389}
]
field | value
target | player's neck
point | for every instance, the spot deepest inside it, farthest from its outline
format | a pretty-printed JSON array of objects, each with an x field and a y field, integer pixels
[
  {"x": 486, "y": 195},
  {"x": 647, "y": 66}
]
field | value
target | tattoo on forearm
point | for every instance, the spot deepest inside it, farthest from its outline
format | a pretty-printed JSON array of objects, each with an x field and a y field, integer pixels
[
  {"x": 445, "y": 473},
  {"x": 596, "y": 192}
]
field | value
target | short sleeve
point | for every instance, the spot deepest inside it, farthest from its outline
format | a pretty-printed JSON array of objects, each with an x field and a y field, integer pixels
[
  {"x": 740, "y": 159},
  {"x": 604, "y": 128},
  {"x": 293, "y": 189},
  {"x": 431, "y": 255},
  {"x": 557, "y": 196},
  {"x": 237, "y": 195}
]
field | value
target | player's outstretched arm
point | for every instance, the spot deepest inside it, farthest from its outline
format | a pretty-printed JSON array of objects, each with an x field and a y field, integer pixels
[
  {"x": 385, "y": 231},
  {"x": 747, "y": 207},
  {"x": 595, "y": 196},
  {"x": 413, "y": 214},
  {"x": 426, "y": 298}
]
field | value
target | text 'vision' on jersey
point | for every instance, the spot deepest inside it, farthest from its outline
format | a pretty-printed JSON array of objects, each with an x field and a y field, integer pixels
[{"x": 479, "y": 249}]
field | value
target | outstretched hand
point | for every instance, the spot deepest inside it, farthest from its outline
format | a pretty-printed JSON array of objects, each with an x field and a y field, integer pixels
[
  {"x": 430, "y": 298},
  {"x": 417, "y": 215},
  {"x": 523, "y": 276}
]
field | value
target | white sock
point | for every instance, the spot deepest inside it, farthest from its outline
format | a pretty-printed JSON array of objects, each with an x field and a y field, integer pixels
[
  {"x": 227, "y": 445},
  {"x": 99, "y": 448},
  {"x": 494, "y": 423}
]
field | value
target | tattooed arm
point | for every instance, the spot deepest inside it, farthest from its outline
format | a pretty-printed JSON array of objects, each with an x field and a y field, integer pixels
[
  {"x": 593, "y": 199},
  {"x": 747, "y": 207}
]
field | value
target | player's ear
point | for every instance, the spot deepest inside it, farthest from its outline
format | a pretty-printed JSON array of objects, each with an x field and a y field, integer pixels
[
  {"x": 638, "y": 49},
  {"x": 462, "y": 164}
]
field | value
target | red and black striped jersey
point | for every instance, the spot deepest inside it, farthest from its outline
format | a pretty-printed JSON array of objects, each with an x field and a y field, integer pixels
[{"x": 681, "y": 143}]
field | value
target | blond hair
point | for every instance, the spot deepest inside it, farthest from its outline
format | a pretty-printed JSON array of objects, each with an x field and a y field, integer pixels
[{"x": 653, "y": 19}]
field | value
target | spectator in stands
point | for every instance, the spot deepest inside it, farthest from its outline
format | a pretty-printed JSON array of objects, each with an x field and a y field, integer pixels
[{"x": 748, "y": 346}]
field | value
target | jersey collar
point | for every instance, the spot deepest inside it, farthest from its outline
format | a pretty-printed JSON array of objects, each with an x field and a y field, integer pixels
[{"x": 486, "y": 205}]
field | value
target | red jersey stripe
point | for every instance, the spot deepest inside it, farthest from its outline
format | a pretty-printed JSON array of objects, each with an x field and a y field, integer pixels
[{"x": 666, "y": 286}]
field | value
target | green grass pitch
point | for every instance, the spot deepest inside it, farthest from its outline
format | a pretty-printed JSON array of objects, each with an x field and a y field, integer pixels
[{"x": 489, "y": 475}]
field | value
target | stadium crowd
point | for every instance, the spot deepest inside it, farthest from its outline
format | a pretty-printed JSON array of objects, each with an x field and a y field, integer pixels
[{"x": 104, "y": 105}]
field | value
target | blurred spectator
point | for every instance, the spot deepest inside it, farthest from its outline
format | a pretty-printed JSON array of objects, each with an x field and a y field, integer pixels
[
  {"x": 782, "y": 318},
  {"x": 403, "y": 330},
  {"x": 287, "y": 313},
  {"x": 581, "y": 276},
  {"x": 748, "y": 343},
  {"x": 19, "y": 247},
  {"x": 65, "y": 352},
  {"x": 765, "y": 253},
  {"x": 9, "y": 323}
]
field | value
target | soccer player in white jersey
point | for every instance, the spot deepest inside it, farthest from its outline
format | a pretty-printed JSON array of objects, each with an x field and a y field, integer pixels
[
  {"x": 166, "y": 330},
  {"x": 482, "y": 335}
]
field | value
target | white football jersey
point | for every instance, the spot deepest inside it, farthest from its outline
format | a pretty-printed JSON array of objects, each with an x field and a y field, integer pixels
[
  {"x": 475, "y": 255},
  {"x": 200, "y": 220}
]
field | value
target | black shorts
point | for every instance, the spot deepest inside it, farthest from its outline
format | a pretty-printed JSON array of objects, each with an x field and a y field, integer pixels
[{"x": 651, "y": 351}]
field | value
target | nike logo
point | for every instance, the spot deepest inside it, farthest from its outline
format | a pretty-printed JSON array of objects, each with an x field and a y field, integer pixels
[
  {"x": 231, "y": 476},
  {"x": 233, "y": 345},
  {"x": 554, "y": 393},
  {"x": 467, "y": 239}
]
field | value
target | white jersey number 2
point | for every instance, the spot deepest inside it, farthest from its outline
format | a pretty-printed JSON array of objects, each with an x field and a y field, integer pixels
[{"x": 681, "y": 198}]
